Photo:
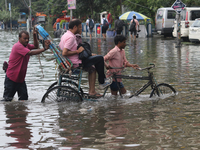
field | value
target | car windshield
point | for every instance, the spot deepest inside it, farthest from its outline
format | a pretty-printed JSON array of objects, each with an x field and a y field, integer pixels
[{"x": 196, "y": 23}]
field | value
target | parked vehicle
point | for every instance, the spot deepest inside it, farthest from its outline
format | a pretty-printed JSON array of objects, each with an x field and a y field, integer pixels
[
  {"x": 22, "y": 19},
  {"x": 188, "y": 16},
  {"x": 194, "y": 31},
  {"x": 40, "y": 18},
  {"x": 164, "y": 21}
]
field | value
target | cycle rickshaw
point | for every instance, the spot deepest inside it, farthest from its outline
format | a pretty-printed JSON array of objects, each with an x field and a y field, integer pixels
[{"x": 68, "y": 87}]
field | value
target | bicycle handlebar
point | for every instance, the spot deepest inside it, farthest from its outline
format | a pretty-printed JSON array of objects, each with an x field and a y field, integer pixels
[
  {"x": 116, "y": 67},
  {"x": 148, "y": 68}
]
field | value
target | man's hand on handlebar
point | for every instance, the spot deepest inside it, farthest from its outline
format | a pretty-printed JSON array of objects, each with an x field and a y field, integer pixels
[
  {"x": 135, "y": 66},
  {"x": 108, "y": 67}
]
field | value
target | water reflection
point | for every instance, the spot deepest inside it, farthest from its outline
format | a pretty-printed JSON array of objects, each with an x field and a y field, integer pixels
[{"x": 16, "y": 114}]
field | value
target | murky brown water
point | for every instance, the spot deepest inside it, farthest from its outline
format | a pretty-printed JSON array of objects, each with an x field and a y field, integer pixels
[{"x": 137, "y": 123}]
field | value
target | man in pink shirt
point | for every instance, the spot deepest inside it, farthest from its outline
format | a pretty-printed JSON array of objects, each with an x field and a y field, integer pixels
[
  {"x": 17, "y": 67},
  {"x": 69, "y": 45},
  {"x": 117, "y": 58}
]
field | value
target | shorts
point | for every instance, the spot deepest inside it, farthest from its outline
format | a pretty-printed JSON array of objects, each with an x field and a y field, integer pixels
[
  {"x": 119, "y": 31},
  {"x": 90, "y": 31},
  {"x": 114, "y": 86},
  {"x": 134, "y": 31},
  {"x": 104, "y": 29}
]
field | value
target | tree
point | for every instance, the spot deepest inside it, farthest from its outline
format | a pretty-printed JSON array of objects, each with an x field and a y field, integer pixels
[{"x": 5, "y": 16}]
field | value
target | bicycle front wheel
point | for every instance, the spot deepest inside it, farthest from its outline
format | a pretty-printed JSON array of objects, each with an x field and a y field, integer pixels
[
  {"x": 163, "y": 89},
  {"x": 62, "y": 94}
]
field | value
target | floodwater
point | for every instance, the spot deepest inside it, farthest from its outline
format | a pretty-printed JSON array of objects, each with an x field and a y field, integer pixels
[{"x": 139, "y": 123}]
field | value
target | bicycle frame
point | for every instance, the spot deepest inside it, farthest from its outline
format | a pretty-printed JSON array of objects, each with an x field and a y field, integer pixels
[{"x": 151, "y": 81}]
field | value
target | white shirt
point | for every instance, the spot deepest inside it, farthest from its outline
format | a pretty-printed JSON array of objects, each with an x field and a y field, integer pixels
[
  {"x": 103, "y": 20},
  {"x": 87, "y": 22}
]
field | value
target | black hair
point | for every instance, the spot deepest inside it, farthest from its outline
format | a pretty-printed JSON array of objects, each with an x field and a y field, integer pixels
[
  {"x": 74, "y": 22},
  {"x": 134, "y": 17},
  {"x": 119, "y": 38},
  {"x": 117, "y": 17},
  {"x": 25, "y": 32},
  {"x": 89, "y": 16},
  {"x": 103, "y": 15}
]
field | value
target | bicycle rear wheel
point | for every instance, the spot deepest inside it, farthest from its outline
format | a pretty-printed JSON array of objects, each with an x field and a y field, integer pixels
[
  {"x": 66, "y": 83},
  {"x": 163, "y": 89},
  {"x": 62, "y": 94}
]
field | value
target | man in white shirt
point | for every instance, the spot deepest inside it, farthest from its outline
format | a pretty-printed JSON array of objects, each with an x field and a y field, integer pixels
[{"x": 90, "y": 24}]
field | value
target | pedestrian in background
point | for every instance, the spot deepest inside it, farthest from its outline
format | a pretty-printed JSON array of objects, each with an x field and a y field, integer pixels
[
  {"x": 105, "y": 24},
  {"x": 90, "y": 24},
  {"x": 118, "y": 25},
  {"x": 109, "y": 18},
  {"x": 134, "y": 27}
]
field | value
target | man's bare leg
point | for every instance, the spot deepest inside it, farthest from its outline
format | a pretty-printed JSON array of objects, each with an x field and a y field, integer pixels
[
  {"x": 134, "y": 37},
  {"x": 104, "y": 35},
  {"x": 122, "y": 90},
  {"x": 92, "y": 80},
  {"x": 131, "y": 36}
]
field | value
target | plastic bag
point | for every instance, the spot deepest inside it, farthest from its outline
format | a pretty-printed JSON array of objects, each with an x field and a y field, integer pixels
[{"x": 5, "y": 66}]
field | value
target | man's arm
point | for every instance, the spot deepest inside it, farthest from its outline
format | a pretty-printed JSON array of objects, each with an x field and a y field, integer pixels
[
  {"x": 134, "y": 66},
  {"x": 36, "y": 44},
  {"x": 138, "y": 25},
  {"x": 67, "y": 52},
  {"x": 115, "y": 24},
  {"x": 38, "y": 51},
  {"x": 87, "y": 22}
]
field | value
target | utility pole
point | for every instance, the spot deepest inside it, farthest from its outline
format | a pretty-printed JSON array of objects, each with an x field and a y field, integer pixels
[
  {"x": 10, "y": 17},
  {"x": 178, "y": 6},
  {"x": 6, "y": 4},
  {"x": 178, "y": 23},
  {"x": 30, "y": 18}
]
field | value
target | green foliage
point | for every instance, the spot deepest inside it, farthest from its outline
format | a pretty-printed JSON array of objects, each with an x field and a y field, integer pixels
[
  {"x": 5, "y": 15},
  {"x": 88, "y": 7}
]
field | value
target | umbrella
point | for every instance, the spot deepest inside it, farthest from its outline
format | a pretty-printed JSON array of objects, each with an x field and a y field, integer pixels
[{"x": 129, "y": 16}]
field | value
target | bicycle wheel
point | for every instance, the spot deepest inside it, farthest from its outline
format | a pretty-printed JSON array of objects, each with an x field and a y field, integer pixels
[
  {"x": 62, "y": 94},
  {"x": 163, "y": 89},
  {"x": 67, "y": 83}
]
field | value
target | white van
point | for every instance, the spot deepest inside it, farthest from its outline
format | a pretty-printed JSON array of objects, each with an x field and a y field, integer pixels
[
  {"x": 188, "y": 16},
  {"x": 164, "y": 20}
]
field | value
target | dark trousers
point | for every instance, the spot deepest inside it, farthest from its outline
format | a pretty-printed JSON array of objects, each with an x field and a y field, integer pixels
[
  {"x": 98, "y": 62},
  {"x": 11, "y": 87},
  {"x": 119, "y": 31}
]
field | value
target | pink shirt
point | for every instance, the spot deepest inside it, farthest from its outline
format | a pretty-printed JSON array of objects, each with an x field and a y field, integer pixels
[
  {"x": 18, "y": 62},
  {"x": 116, "y": 58},
  {"x": 68, "y": 41},
  {"x": 136, "y": 22}
]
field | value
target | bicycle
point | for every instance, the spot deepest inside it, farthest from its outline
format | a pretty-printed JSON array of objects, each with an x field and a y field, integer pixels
[
  {"x": 69, "y": 90},
  {"x": 157, "y": 89}
]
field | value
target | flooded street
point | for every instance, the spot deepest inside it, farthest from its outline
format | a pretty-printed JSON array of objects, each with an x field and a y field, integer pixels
[{"x": 139, "y": 123}]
